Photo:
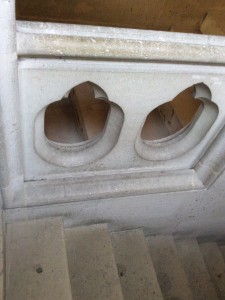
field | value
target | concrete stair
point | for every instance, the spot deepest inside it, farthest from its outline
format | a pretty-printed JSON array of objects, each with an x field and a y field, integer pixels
[
  {"x": 215, "y": 265},
  {"x": 36, "y": 261},
  {"x": 91, "y": 262},
  {"x": 44, "y": 261},
  {"x": 171, "y": 275},
  {"x": 195, "y": 269},
  {"x": 137, "y": 274}
]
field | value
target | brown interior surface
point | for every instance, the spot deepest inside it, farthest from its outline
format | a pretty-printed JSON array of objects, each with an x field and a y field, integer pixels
[
  {"x": 169, "y": 118},
  {"x": 78, "y": 118},
  {"x": 166, "y": 15},
  {"x": 91, "y": 113}
]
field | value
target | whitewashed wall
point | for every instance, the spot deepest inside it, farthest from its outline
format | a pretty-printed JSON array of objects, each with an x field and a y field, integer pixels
[{"x": 118, "y": 179}]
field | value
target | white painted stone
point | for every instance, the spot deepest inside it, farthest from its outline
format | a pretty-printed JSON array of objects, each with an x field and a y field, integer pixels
[
  {"x": 195, "y": 268},
  {"x": 116, "y": 79},
  {"x": 102, "y": 42},
  {"x": 36, "y": 261},
  {"x": 215, "y": 265},
  {"x": 135, "y": 268},
  {"x": 171, "y": 276},
  {"x": 11, "y": 158},
  {"x": 92, "y": 266},
  {"x": 148, "y": 69},
  {"x": 196, "y": 213},
  {"x": 122, "y": 183},
  {"x": 124, "y": 83}
]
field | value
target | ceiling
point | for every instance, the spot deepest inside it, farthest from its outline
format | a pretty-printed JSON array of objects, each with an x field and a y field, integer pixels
[{"x": 167, "y": 15}]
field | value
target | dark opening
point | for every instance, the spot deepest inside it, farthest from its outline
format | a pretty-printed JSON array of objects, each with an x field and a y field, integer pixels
[
  {"x": 81, "y": 116},
  {"x": 171, "y": 117}
]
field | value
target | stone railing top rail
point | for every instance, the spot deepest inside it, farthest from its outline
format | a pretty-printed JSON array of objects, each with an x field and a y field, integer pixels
[{"x": 81, "y": 41}]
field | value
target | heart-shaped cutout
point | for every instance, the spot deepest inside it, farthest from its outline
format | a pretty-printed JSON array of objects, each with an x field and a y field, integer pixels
[
  {"x": 177, "y": 127},
  {"x": 171, "y": 117},
  {"x": 80, "y": 117}
]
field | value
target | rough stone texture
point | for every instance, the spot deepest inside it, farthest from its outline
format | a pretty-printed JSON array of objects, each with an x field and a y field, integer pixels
[
  {"x": 194, "y": 266},
  {"x": 215, "y": 265},
  {"x": 116, "y": 183},
  {"x": 34, "y": 39},
  {"x": 91, "y": 263},
  {"x": 170, "y": 273},
  {"x": 36, "y": 262},
  {"x": 135, "y": 268}
]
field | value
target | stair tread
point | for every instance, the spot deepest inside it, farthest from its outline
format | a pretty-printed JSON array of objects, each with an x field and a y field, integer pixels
[
  {"x": 215, "y": 265},
  {"x": 222, "y": 250},
  {"x": 136, "y": 270},
  {"x": 36, "y": 261},
  {"x": 195, "y": 268},
  {"x": 170, "y": 273},
  {"x": 92, "y": 265}
]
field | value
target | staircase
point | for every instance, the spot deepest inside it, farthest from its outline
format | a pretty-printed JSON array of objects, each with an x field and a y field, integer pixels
[{"x": 44, "y": 261}]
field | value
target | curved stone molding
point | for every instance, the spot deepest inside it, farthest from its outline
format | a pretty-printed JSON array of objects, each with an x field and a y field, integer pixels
[
  {"x": 186, "y": 139},
  {"x": 77, "y": 154},
  {"x": 81, "y": 115},
  {"x": 212, "y": 164}
]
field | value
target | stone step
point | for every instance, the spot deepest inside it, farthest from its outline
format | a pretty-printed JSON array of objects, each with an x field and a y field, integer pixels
[
  {"x": 92, "y": 265},
  {"x": 170, "y": 273},
  {"x": 135, "y": 268},
  {"x": 36, "y": 261},
  {"x": 215, "y": 265},
  {"x": 222, "y": 250},
  {"x": 195, "y": 268}
]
